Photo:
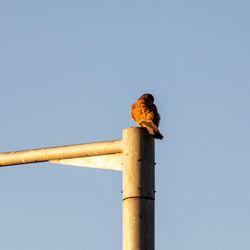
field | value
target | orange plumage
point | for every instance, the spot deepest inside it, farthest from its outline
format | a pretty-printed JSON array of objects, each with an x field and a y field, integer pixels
[{"x": 145, "y": 114}]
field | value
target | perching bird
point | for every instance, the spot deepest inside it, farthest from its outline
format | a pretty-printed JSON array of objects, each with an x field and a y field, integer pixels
[{"x": 145, "y": 114}]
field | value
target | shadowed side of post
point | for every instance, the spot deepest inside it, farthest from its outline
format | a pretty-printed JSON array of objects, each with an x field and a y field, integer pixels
[{"x": 138, "y": 189}]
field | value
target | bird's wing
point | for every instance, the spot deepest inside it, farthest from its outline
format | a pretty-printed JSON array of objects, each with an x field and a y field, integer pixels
[{"x": 156, "y": 116}]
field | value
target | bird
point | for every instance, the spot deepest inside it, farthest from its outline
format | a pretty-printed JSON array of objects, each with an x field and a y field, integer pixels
[{"x": 144, "y": 113}]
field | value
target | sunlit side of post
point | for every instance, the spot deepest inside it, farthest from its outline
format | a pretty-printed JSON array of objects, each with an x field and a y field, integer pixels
[{"x": 138, "y": 190}]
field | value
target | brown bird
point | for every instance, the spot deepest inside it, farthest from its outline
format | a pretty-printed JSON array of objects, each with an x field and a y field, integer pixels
[{"x": 145, "y": 114}]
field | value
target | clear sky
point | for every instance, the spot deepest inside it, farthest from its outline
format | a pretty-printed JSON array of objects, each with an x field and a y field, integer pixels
[{"x": 69, "y": 71}]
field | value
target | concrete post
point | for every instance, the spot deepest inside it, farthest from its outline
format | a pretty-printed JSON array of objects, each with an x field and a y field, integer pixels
[{"x": 138, "y": 190}]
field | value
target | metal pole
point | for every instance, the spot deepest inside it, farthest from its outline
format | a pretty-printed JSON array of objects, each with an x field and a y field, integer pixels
[
  {"x": 61, "y": 152},
  {"x": 138, "y": 190}
]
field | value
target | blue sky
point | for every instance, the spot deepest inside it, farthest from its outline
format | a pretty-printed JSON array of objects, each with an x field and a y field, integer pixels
[{"x": 69, "y": 71}]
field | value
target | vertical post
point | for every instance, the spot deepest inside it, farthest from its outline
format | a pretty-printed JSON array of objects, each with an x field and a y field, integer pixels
[{"x": 138, "y": 190}]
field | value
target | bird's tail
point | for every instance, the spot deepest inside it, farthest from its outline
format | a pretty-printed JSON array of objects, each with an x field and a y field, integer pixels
[
  {"x": 158, "y": 135},
  {"x": 152, "y": 129}
]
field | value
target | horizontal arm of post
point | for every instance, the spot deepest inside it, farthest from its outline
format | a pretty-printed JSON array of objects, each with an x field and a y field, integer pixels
[{"x": 60, "y": 152}]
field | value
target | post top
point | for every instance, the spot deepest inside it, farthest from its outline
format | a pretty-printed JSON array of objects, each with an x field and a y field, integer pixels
[{"x": 136, "y": 132}]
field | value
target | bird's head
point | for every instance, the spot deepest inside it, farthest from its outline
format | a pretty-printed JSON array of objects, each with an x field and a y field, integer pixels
[{"x": 147, "y": 97}]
